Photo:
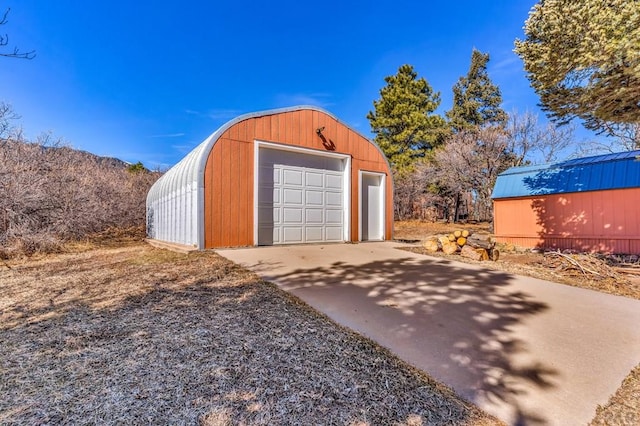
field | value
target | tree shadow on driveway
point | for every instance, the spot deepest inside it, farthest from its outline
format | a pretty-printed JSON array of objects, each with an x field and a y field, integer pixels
[{"x": 457, "y": 323}]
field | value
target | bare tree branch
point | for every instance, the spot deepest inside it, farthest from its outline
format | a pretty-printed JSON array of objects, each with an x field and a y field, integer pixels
[
  {"x": 4, "y": 41},
  {"x": 469, "y": 164},
  {"x": 528, "y": 142},
  {"x": 627, "y": 135}
]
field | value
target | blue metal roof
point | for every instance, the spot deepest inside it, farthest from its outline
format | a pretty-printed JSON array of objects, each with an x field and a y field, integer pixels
[{"x": 610, "y": 171}]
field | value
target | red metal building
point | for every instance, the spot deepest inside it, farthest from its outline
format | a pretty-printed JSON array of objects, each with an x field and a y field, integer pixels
[{"x": 585, "y": 204}]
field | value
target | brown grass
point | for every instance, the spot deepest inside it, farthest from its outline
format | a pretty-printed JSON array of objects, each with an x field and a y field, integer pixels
[
  {"x": 417, "y": 230},
  {"x": 624, "y": 406},
  {"x": 134, "y": 334}
]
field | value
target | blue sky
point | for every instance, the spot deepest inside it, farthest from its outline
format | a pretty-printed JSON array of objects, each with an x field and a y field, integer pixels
[{"x": 149, "y": 80}]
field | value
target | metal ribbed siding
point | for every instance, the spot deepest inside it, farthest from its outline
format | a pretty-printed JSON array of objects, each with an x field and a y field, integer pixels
[
  {"x": 601, "y": 245},
  {"x": 173, "y": 202},
  {"x": 606, "y": 221},
  {"x": 602, "y": 172}
]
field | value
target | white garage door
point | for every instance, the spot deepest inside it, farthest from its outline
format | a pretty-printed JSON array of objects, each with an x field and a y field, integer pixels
[{"x": 300, "y": 198}]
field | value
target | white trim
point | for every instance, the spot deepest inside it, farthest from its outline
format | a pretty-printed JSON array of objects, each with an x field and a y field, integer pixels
[
  {"x": 293, "y": 148},
  {"x": 256, "y": 172},
  {"x": 257, "y": 145},
  {"x": 383, "y": 202}
]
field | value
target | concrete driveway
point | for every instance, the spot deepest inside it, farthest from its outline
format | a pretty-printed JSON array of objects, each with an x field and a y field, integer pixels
[{"x": 525, "y": 350}]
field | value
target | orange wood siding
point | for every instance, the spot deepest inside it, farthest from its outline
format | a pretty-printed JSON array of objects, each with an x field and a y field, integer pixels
[
  {"x": 227, "y": 193},
  {"x": 606, "y": 221},
  {"x": 229, "y": 172}
]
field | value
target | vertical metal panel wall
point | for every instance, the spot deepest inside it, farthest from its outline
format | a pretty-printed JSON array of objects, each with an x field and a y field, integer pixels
[
  {"x": 174, "y": 200},
  {"x": 603, "y": 221}
]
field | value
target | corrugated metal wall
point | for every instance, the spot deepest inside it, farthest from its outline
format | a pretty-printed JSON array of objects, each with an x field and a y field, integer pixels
[
  {"x": 605, "y": 221},
  {"x": 174, "y": 200}
]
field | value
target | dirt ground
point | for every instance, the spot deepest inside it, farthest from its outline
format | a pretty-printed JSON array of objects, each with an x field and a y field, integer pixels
[
  {"x": 598, "y": 272},
  {"x": 130, "y": 334},
  {"x": 580, "y": 270}
]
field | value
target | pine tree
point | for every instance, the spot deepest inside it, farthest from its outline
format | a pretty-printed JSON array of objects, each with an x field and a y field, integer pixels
[
  {"x": 137, "y": 168},
  {"x": 583, "y": 60},
  {"x": 404, "y": 122},
  {"x": 476, "y": 100}
]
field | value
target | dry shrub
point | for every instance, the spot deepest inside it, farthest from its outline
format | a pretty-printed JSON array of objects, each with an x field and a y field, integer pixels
[
  {"x": 51, "y": 194},
  {"x": 31, "y": 243}
]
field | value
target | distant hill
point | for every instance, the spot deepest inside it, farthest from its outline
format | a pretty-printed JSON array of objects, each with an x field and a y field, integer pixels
[
  {"x": 111, "y": 162},
  {"x": 103, "y": 161}
]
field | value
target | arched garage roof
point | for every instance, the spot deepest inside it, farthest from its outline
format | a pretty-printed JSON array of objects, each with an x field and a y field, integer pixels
[{"x": 175, "y": 203}]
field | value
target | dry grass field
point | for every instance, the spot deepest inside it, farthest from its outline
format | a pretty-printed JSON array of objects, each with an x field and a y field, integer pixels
[{"x": 131, "y": 334}]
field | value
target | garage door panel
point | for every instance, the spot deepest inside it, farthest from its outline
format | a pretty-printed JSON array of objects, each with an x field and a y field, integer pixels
[
  {"x": 314, "y": 198},
  {"x": 333, "y": 182},
  {"x": 300, "y": 197},
  {"x": 314, "y": 179},
  {"x": 292, "y": 177},
  {"x": 333, "y": 199},
  {"x": 292, "y": 196},
  {"x": 333, "y": 216},
  {"x": 333, "y": 233},
  {"x": 291, "y": 215},
  {"x": 314, "y": 234},
  {"x": 314, "y": 216},
  {"x": 292, "y": 234}
]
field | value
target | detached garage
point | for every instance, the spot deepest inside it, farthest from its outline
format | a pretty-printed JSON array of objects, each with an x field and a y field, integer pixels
[
  {"x": 585, "y": 204},
  {"x": 286, "y": 176}
]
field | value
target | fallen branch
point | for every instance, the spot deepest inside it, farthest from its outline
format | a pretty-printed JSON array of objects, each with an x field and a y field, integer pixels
[{"x": 574, "y": 262}]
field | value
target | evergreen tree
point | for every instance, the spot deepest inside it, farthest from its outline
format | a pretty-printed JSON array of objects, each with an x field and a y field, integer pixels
[
  {"x": 476, "y": 100},
  {"x": 583, "y": 60},
  {"x": 137, "y": 168},
  {"x": 403, "y": 121}
]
